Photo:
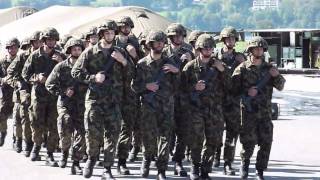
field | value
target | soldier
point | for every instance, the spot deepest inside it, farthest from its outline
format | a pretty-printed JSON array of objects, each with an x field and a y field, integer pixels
[
  {"x": 91, "y": 37},
  {"x": 193, "y": 36},
  {"x": 142, "y": 41},
  {"x": 157, "y": 81},
  {"x": 102, "y": 66},
  {"x": 181, "y": 53},
  {"x": 43, "y": 111},
  {"x": 70, "y": 105},
  {"x": 63, "y": 41},
  {"x": 22, "y": 95},
  {"x": 254, "y": 79},
  {"x": 205, "y": 80},
  {"x": 6, "y": 104},
  {"x": 231, "y": 109},
  {"x": 25, "y": 44}
]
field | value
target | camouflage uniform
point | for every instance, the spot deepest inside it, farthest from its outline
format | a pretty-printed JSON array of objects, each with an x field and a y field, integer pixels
[
  {"x": 156, "y": 130},
  {"x": 43, "y": 111},
  {"x": 206, "y": 115},
  {"x": 256, "y": 125},
  {"x": 102, "y": 103},
  {"x": 70, "y": 110}
]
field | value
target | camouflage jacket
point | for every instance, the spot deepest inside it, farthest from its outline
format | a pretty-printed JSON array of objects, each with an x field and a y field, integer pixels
[
  {"x": 216, "y": 86},
  {"x": 247, "y": 75},
  {"x": 60, "y": 80},
  {"x": 37, "y": 63},
  {"x": 147, "y": 70},
  {"x": 92, "y": 61},
  {"x": 7, "y": 90},
  {"x": 230, "y": 60},
  {"x": 132, "y": 40}
]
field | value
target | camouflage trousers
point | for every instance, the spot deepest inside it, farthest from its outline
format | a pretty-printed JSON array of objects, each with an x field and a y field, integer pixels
[
  {"x": 232, "y": 122},
  {"x": 43, "y": 118},
  {"x": 22, "y": 127},
  {"x": 256, "y": 129},
  {"x": 102, "y": 120},
  {"x": 130, "y": 127},
  {"x": 6, "y": 106},
  {"x": 207, "y": 128},
  {"x": 156, "y": 127},
  {"x": 71, "y": 128}
]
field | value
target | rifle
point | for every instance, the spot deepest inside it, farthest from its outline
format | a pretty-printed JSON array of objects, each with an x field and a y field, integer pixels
[
  {"x": 195, "y": 95},
  {"x": 246, "y": 100},
  {"x": 106, "y": 70}
]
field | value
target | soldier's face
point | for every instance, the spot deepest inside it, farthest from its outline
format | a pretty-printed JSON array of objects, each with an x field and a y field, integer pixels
[
  {"x": 230, "y": 42},
  {"x": 50, "y": 42},
  {"x": 93, "y": 39},
  {"x": 13, "y": 50},
  {"x": 157, "y": 47},
  {"x": 206, "y": 52},
  {"x": 257, "y": 52},
  {"x": 36, "y": 44},
  {"x": 125, "y": 30},
  {"x": 108, "y": 36},
  {"x": 177, "y": 39},
  {"x": 76, "y": 51}
]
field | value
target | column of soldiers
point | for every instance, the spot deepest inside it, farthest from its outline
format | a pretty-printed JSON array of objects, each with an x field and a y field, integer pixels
[{"x": 112, "y": 91}]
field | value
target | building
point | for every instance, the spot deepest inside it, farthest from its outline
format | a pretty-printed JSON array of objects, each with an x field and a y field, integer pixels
[{"x": 265, "y": 4}]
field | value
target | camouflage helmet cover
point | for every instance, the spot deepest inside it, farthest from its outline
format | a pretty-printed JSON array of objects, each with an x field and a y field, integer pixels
[
  {"x": 193, "y": 36},
  {"x": 35, "y": 36},
  {"x": 25, "y": 42},
  {"x": 257, "y": 41},
  {"x": 228, "y": 32},
  {"x": 73, "y": 42},
  {"x": 108, "y": 25},
  {"x": 205, "y": 41},
  {"x": 12, "y": 42},
  {"x": 176, "y": 29},
  {"x": 156, "y": 36},
  {"x": 90, "y": 32},
  {"x": 125, "y": 21},
  {"x": 50, "y": 33}
]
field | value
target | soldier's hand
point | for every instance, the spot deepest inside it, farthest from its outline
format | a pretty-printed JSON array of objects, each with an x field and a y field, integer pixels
[
  {"x": 186, "y": 56},
  {"x": 119, "y": 57},
  {"x": 170, "y": 68},
  {"x": 253, "y": 91},
  {"x": 57, "y": 57},
  {"x": 132, "y": 51},
  {"x": 99, "y": 78},
  {"x": 200, "y": 86},
  {"x": 274, "y": 72},
  {"x": 218, "y": 65},
  {"x": 41, "y": 78},
  {"x": 69, "y": 92},
  {"x": 152, "y": 86}
]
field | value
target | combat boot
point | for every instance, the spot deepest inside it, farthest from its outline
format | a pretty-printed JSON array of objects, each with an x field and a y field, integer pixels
[
  {"x": 228, "y": 170},
  {"x": 75, "y": 168},
  {"x": 244, "y": 170},
  {"x": 35, "y": 153},
  {"x": 107, "y": 174},
  {"x": 64, "y": 159},
  {"x": 2, "y": 138},
  {"x": 88, "y": 168},
  {"x": 179, "y": 170},
  {"x": 194, "y": 172},
  {"x": 122, "y": 167},
  {"x": 50, "y": 160},
  {"x": 259, "y": 175},
  {"x": 19, "y": 145},
  {"x": 28, "y": 149},
  {"x": 204, "y": 173},
  {"x": 216, "y": 162},
  {"x": 161, "y": 175},
  {"x": 133, "y": 154},
  {"x": 145, "y": 168}
]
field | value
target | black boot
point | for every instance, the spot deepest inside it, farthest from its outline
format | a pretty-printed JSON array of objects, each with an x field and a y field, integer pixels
[
  {"x": 28, "y": 148},
  {"x": 228, "y": 170},
  {"x": 216, "y": 162},
  {"x": 107, "y": 175},
  {"x": 75, "y": 168},
  {"x": 194, "y": 172},
  {"x": 145, "y": 167},
  {"x": 19, "y": 145},
  {"x": 133, "y": 154},
  {"x": 161, "y": 175},
  {"x": 2, "y": 138},
  {"x": 204, "y": 173},
  {"x": 259, "y": 175},
  {"x": 122, "y": 167},
  {"x": 179, "y": 170},
  {"x": 88, "y": 168},
  {"x": 50, "y": 160},
  {"x": 244, "y": 170},
  {"x": 64, "y": 159},
  {"x": 35, "y": 153}
]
